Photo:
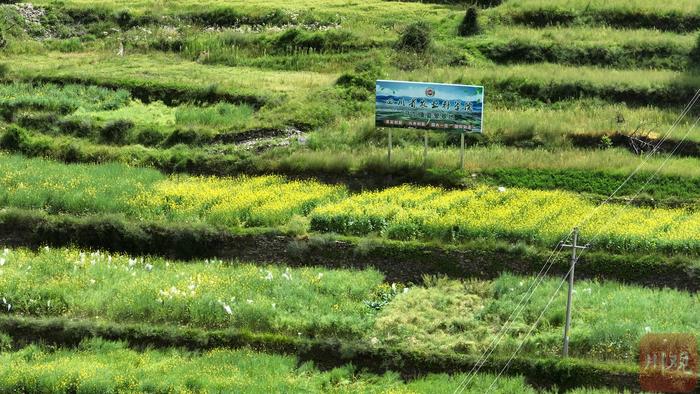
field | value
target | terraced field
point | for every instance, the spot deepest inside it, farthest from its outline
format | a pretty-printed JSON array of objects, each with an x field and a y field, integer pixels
[{"x": 194, "y": 196}]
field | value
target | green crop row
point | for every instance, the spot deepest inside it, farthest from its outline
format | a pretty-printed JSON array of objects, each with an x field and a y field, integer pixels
[
  {"x": 598, "y": 172},
  {"x": 99, "y": 366},
  {"x": 439, "y": 317},
  {"x": 406, "y": 212},
  {"x": 399, "y": 261}
]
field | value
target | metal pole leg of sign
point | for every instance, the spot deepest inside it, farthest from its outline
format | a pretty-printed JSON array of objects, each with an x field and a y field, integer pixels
[
  {"x": 425, "y": 149},
  {"x": 389, "y": 152},
  {"x": 461, "y": 153}
]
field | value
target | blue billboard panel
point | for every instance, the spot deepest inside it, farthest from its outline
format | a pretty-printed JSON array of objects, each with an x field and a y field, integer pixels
[{"x": 430, "y": 106}]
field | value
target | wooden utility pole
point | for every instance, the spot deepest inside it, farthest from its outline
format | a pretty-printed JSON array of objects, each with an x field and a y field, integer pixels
[{"x": 574, "y": 247}]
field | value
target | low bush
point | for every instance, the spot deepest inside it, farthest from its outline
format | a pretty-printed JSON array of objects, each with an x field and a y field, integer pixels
[
  {"x": 117, "y": 131},
  {"x": 416, "y": 38}
]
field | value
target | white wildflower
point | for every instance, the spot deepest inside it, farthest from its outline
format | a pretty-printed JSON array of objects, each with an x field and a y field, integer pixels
[
  {"x": 269, "y": 276},
  {"x": 320, "y": 275},
  {"x": 405, "y": 290},
  {"x": 647, "y": 329},
  {"x": 249, "y": 301},
  {"x": 374, "y": 341},
  {"x": 287, "y": 275},
  {"x": 5, "y": 252},
  {"x": 501, "y": 189},
  {"x": 227, "y": 309},
  {"x": 149, "y": 267},
  {"x": 2, "y": 261}
]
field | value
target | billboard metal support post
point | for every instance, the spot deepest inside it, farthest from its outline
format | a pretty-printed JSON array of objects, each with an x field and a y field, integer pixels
[
  {"x": 461, "y": 152},
  {"x": 574, "y": 247},
  {"x": 388, "y": 156},
  {"x": 425, "y": 149}
]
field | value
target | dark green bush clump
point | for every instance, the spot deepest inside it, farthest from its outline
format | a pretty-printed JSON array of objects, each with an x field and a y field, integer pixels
[
  {"x": 470, "y": 23},
  {"x": 364, "y": 77},
  {"x": 416, "y": 38},
  {"x": 115, "y": 132},
  {"x": 14, "y": 138}
]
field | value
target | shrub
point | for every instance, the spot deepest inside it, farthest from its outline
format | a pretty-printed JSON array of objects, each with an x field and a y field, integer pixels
[
  {"x": 124, "y": 19},
  {"x": 182, "y": 136},
  {"x": 470, "y": 23},
  {"x": 116, "y": 131},
  {"x": 78, "y": 127},
  {"x": 364, "y": 76},
  {"x": 149, "y": 137},
  {"x": 13, "y": 138},
  {"x": 416, "y": 37}
]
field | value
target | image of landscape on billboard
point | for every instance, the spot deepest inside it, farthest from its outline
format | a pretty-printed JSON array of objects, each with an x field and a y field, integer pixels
[{"x": 429, "y": 105}]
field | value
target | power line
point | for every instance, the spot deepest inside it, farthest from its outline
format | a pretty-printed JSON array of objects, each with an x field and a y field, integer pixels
[
  {"x": 540, "y": 276},
  {"x": 596, "y": 237}
]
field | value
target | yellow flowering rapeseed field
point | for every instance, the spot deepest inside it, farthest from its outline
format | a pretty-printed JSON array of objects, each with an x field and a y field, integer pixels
[
  {"x": 243, "y": 201},
  {"x": 426, "y": 213}
]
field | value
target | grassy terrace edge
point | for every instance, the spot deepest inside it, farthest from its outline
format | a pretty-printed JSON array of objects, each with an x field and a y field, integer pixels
[
  {"x": 546, "y": 372},
  {"x": 369, "y": 172},
  {"x": 399, "y": 261}
]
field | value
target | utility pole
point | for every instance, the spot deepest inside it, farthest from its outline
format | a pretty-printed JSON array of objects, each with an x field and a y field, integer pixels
[{"x": 574, "y": 247}]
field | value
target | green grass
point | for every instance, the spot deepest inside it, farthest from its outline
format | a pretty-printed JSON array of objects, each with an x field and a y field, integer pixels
[
  {"x": 64, "y": 99},
  {"x": 683, "y": 6},
  {"x": 607, "y": 322},
  {"x": 604, "y": 46},
  {"x": 441, "y": 317},
  {"x": 102, "y": 366},
  {"x": 308, "y": 302}
]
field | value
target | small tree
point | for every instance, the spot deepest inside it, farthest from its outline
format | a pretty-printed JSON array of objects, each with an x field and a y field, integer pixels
[
  {"x": 416, "y": 37},
  {"x": 470, "y": 23}
]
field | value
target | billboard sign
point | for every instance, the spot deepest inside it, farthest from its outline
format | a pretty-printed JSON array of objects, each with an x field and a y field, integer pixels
[{"x": 424, "y": 105}]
